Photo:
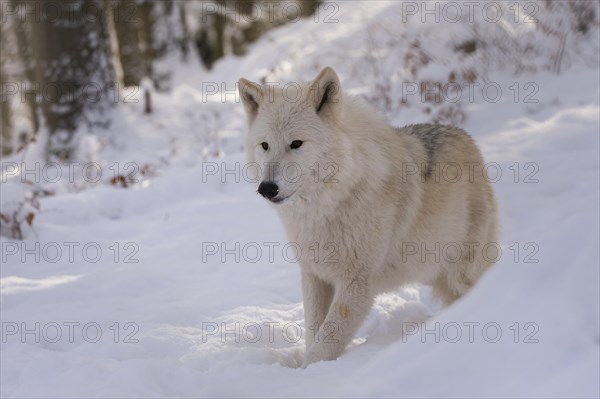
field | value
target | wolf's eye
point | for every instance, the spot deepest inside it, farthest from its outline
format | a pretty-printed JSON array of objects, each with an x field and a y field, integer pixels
[
  {"x": 296, "y": 144},
  {"x": 265, "y": 146}
]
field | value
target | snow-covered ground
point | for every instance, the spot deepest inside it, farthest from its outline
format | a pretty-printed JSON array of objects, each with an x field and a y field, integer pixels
[{"x": 184, "y": 285}]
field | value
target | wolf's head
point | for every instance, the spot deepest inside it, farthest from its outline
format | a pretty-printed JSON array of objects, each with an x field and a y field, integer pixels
[{"x": 293, "y": 136}]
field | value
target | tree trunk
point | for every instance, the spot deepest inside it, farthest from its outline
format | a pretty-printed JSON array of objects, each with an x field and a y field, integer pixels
[{"x": 71, "y": 64}]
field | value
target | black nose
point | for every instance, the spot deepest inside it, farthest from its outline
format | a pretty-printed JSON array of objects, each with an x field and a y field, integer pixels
[{"x": 268, "y": 189}]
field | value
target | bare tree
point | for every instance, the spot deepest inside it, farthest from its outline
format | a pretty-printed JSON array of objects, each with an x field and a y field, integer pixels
[{"x": 67, "y": 60}]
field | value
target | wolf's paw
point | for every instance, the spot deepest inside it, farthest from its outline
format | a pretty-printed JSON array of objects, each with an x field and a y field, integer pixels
[{"x": 317, "y": 353}]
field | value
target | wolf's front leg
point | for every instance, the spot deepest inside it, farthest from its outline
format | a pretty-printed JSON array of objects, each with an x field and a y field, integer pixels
[
  {"x": 317, "y": 296},
  {"x": 351, "y": 304}
]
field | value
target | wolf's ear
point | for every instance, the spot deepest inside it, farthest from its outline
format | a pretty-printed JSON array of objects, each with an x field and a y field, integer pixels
[
  {"x": 325, "y": 93},
  {"x": 251, "y": 95}
]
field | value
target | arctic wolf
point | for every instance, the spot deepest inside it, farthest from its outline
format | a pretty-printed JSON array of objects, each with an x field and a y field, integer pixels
[{"x": 371, "y": 206}]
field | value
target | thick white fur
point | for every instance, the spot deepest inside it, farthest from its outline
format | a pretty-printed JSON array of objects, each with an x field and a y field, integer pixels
[{"x": 357, "y": 203}]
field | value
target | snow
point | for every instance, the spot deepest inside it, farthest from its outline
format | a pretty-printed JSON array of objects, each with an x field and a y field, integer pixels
[{"x": 159, "y": 256}]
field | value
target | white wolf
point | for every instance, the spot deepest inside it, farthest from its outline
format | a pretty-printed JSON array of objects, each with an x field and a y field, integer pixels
[{"x": 367, "y": 203}]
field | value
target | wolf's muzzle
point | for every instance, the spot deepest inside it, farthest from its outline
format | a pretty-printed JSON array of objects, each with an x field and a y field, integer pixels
[{"x": 268, "y": 189}]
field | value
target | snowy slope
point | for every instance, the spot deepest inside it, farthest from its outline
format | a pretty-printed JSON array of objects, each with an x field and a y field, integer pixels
[{"x": 160, "y": 273}]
